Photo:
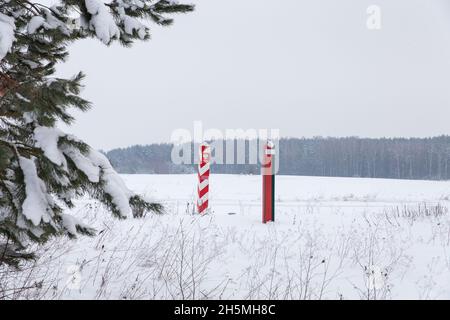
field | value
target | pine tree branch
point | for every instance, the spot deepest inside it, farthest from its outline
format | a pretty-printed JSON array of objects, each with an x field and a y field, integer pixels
[{"x": 23, "y": 2}]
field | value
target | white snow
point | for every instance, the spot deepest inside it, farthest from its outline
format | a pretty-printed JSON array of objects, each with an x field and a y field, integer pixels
[
  {"x": 114, "y": 184},
  {"x": 132, "y": 24},
  {"x": 70, "y": 223},
  {"x": 133, "y": 4},
  {"x": 83, "y": 163},
  {"x": 31, "y": 64},
  {"x": 21, "y": 97},
  {"x": 7, "y": 27},
  {"x": 35, "y": 23},
  {"x": 37, "y": 201},
  {"x": 102, "y": 22},
  {"x": 49, "y": 22},
  {"x": 53, "y": 22},
  {"x": 47, "y": 139},
  {"x": 29, "y": 117},
  {"x": 334, "y": 238},
  {"x": 97, "y": 168},
  {"x": 94, "y": 165}
]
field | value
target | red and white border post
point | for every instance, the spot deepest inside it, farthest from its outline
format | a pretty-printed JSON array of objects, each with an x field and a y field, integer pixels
[
  {"x": 268, "y": 175},
  {"x": 203, "y": 178}
]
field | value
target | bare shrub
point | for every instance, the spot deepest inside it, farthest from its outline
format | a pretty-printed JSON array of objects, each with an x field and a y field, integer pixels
[
  {"x": 301, "y": 268},
  {"x": 33, "y": 279},
  {"x": 413, "y": 213},
  {"x": 379, "y": 259}
]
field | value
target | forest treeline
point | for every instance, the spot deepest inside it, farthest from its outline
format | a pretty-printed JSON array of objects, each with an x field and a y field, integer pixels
[{"x": 397, "y": 158}]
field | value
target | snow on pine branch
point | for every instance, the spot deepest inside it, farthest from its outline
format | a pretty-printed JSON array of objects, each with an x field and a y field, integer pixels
[
  {"x": 94, "y": 165},
  {"x": 97, "y": 169},
  {"x": 48, "y": 22},
  {"x": 47, "y": 139},
  {"x": 74, "y": 225},
  {"x": 7, "y": 28},
  {"x": 132, "y": 24},
  {"x": 108, "y": 20},
  {"x": 102, "y": 22},
  {"x": 104, "y": 25},
  {"x": 38, "y": 203}
]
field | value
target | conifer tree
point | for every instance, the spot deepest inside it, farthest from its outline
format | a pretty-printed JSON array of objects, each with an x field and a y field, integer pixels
[{"x": 42, "y": 169}]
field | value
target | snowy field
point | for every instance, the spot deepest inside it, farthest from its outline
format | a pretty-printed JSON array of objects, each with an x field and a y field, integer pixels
[{"x": 334, "y": 238}]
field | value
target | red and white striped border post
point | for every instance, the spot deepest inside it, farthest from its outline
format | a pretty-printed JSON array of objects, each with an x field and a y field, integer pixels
[{"x": 203, "y": 178}]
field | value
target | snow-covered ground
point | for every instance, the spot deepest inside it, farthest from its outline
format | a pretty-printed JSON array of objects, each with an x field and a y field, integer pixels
[{"x": 334, "y": 238}]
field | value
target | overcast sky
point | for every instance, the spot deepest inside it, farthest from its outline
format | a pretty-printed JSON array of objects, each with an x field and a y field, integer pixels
[{"x": 307, "y": 67}]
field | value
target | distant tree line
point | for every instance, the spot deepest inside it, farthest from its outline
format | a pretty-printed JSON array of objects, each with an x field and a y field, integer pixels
[{"x": 397, "y": 158}]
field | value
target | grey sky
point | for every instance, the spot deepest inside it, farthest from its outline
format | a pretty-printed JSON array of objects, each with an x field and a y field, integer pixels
[{"x": 306, "y": 67}]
